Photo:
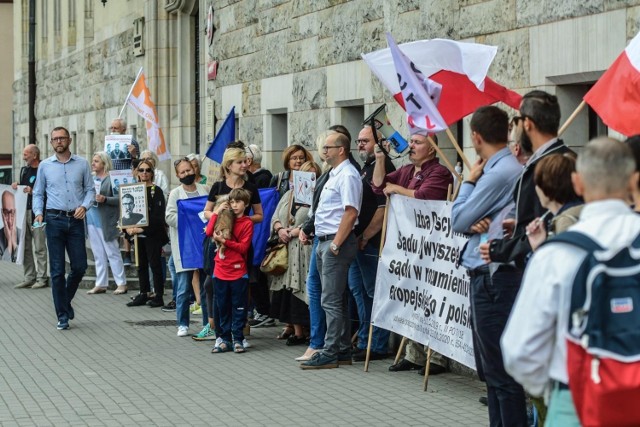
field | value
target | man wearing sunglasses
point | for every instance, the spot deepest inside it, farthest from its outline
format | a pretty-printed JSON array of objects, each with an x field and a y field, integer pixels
[{"x": 67, "y": 182}]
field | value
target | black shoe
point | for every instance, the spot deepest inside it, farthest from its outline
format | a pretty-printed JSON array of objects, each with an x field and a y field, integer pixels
[
  {"x": 170, "y": 307},
  {"x": 361, "y": 355},
  {"x": 404, "y": 365},
  {"x": 296, "y": 340},
  {"x": 345, "y": 358},
  {"x": 155, "y": 302},
  {"x": 138, "y": 300},
  {"x": 434, "y": 369},
  {"x": 483, "y": 400}
]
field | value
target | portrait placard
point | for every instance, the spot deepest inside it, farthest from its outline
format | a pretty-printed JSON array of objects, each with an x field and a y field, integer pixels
[
  {"x": 134, "y": 210},
  {"x": 120, "y": 177},
  {"x": 117, "y": 146},
  {"x": 13, "y": 206},
  {"x": 303, "y": 185}
]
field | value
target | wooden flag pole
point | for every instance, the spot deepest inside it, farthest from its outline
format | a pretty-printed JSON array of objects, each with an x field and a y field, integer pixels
[
  {"x": 135, "y": 247},
  {"x": 572, "y": 117},
  {"x": 449, "y": 188},
  {"x": 455, "y": 193},
  {"x": 366, "y": 360},
  {"x": 443, "y": 157},
  {"x": 426, "y": 370},
  {"x": 400, "y": 349},
  {"x": 458, "y": 148}
]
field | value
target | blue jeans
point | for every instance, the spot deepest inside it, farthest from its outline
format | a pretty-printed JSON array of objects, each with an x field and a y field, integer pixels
[
  {"x": 333, "y": 271},
  {"x": 492, "y": 298},
  {"x": 231, "y": 300},
  {"x": 317, "y": 319},
  {"x": 174, "y": 278},
  {"x": 362, "y": 283},
  {"x": 64, "y": 233},
  {"x": 183, "y": 288}
]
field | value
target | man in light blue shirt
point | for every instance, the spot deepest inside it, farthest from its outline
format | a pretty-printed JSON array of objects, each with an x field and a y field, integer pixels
[
  {"x": 487, "y": 191},
  {"x": 66, "y": 180}
]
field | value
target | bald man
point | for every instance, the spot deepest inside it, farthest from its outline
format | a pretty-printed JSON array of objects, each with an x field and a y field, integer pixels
[{"x": 35, "y": 267}]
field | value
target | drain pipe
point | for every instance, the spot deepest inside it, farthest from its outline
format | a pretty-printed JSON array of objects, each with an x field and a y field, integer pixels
[{"x": 32, "y": 72}]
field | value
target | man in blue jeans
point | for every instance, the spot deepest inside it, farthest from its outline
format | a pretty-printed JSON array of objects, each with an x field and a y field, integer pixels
[
  {"x": 66, "y": 180},
  {"x": 362, "y": 273}
]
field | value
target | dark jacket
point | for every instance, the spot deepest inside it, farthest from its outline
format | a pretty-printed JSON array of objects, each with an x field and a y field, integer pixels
[{"x": 528, "y": 208}]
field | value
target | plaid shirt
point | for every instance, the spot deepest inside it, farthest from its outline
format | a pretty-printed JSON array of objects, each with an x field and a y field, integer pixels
[{"x": 120, "y": 164}]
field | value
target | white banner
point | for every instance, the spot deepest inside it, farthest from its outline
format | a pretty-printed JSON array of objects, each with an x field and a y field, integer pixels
[{"x": 420, "y": 293}]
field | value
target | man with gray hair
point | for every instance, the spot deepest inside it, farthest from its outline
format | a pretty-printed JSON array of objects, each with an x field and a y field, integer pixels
[
  {"x": 35, "y": 268},
  {"x": 533, "y": 344},
  {"x": 119, "y": 127},
  {"x": 261, "y": 176}
]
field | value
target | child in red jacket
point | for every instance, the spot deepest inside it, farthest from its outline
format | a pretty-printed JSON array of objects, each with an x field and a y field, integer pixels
[{"x": 230, "y": 274}]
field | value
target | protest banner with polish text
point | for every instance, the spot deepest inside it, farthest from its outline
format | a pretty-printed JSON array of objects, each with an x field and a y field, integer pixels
[{"x": 421, "y": 292}]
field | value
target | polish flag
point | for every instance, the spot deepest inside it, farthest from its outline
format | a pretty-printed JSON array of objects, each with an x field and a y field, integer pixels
[
  {"x": 616, "y": 96},
  {"x": 139, "y": 99},
  {"x": 460, "y": 68},
  {"x": 417, "y": 93}
]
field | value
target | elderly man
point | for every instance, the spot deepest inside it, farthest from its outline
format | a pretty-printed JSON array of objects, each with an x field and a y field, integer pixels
[
  {"x": 120, "y": 160},
  {"x": 534, "y": 341},
  {"x": 425, "y": 178},
  {"x": 261, "y": 176},
  {"x": 335, "y": 216},
  {"x": 10, "y": 233},
  {"x": 362, "y": 273},
  {"x": 486, "y": 192},
  {"x": 66, "y": 180},
  {"x": 35, "y": 268}
]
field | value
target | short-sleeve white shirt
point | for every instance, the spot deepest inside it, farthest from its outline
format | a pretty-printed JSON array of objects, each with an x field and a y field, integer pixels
[{"x": 343, "y": 188}]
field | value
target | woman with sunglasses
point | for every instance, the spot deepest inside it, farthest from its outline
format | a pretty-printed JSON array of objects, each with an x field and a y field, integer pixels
[
  {"x": 187, "y": 189},
  {"x": 150, "y": 240}
]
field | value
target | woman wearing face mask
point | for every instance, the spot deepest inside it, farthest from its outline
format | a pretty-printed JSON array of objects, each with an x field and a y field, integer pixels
[{"x": 188, "y": 188}]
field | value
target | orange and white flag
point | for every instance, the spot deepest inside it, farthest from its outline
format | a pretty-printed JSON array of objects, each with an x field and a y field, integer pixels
[{"x": 140, "y": 100}]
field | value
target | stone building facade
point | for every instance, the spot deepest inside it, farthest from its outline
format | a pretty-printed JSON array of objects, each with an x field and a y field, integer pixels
[{"x": 292, "y": 67}]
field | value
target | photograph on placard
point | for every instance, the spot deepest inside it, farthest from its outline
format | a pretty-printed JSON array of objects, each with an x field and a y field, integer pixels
[
  {"x": 303, "y": 185},
  {"x": 117, "y": 146},
  {"x": 134, "y": 211},
  {"x": 120, "y": 177},
  {"x": 13, "y": 204}
]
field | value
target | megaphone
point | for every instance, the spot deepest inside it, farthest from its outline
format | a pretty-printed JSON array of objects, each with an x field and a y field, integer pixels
[{"x": 379, "y": 120}]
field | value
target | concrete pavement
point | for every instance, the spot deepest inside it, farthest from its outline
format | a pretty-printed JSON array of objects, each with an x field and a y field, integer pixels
[{"x": 109, "y": 370}]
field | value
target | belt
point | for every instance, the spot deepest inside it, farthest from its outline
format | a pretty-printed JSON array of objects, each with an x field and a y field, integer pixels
[
  {"x": 59, "y": 212},
  {"x": 560, "y": 385},
  {"x": 326, "y": 237},
  {"x": 476, "y": 272}
]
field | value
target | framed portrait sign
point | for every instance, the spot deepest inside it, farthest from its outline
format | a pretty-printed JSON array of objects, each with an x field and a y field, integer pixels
[
  {"x": 134, "y": 206},
  {"x": 117, "y": 146}
]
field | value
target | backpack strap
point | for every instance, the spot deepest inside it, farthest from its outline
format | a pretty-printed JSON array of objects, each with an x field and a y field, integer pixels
[{"x": 578, "y": 239}]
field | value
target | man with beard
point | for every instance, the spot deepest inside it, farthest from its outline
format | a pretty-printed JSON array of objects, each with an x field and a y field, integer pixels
[
  {"x": 538, "y": 125},
  {"x": 486, "y": 192},
  {"x": 67, "y": 182},
  {"x": 362, "y": 272},
  {"x": 425, "y": 178}
]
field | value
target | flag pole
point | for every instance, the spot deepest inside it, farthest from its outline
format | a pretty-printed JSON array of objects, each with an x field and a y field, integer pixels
[
  {"x": 458, "y": 148},
  {"x": 130, "y": 90},
  {"x": 572, "y": 117},
  {"x": 444, "y": 158}
]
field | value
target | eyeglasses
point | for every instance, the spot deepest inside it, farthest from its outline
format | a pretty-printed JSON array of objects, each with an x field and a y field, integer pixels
[
  {"x": 145, "y": 170},
  {"x": 326, "y": 147},
  {"x": 60, "y": 139},
  {"x": 128, "y": 203},
  {"x": 362, "y": 141},
  {"x": 8, "y": 212},
  {"x": 184, "y": 159},
  {"x": 295, "y": 159}
]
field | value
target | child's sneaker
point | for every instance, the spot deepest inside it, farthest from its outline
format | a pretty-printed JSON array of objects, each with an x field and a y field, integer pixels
[{"x": 206, "y": 334}]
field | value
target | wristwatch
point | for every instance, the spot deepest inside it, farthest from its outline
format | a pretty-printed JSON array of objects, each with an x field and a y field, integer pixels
[{"x": 334, "y": 248}]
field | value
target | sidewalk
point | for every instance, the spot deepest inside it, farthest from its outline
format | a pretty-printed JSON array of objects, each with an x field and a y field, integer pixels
[{"x": 107, "y": 369}]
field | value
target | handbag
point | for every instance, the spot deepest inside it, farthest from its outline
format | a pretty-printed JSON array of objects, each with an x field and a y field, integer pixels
[{"x": 276, "y": 260}]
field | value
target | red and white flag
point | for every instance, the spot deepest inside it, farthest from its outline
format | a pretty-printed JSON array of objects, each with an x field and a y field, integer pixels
[
  {"x": 616, "y": 96},
  {"x": 140, "y": 99},
  {"x": 417, "y": 93},
  {"x": 460, "y": 68}
]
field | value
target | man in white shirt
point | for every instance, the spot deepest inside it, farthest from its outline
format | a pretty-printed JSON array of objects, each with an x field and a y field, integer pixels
[
  {"x": 534, "y": 344},
  {"x": 335, "y": 217}
]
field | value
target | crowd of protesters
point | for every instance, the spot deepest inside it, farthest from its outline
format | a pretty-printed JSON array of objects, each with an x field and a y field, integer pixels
[{"x": 519, "y": 285}]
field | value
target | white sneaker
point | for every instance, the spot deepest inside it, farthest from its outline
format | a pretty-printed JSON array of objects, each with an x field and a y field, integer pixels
[
  {"x": 246, "y": 343},
  {"x": 183, "y": 331}
]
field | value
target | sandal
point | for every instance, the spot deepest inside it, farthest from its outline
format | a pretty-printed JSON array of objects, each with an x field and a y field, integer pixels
[
  {"x": 285, "y": 334},
  {"x": 220, "y": 348},
  {"x": 122, "y": 289},
  {"x": 238, "y": 348}
]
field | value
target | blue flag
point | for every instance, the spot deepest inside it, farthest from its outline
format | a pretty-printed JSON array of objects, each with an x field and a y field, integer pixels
[
  {"x": 226, "y": 135},
  {"x": 191, "y": 228}
]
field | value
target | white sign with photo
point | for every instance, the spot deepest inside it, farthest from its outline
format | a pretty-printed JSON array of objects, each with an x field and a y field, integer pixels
[
  {"x": 303, "y": 185},
  {"x": 134, "y": 210},
  {"x": 420, "y": 292},
  {"x": 13, "y": 205},
  {"x": 120, "y": 177},
  {"x": 117, "y": 146}
]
